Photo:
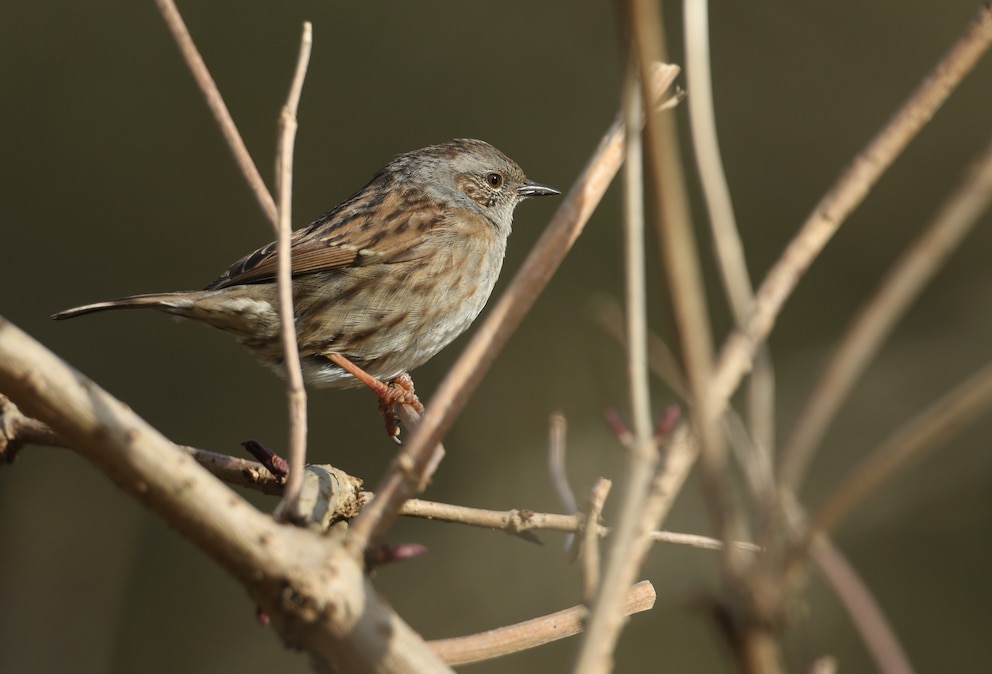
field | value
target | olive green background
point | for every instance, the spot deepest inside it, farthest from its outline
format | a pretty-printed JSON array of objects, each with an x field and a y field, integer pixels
[{"x": 114, "y": 180}]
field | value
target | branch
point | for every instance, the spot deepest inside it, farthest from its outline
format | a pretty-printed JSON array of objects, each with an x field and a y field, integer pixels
[
  {"x": 296, "y": 393},
  {"x": 532, "y": 633},
  {"x": 281, "y": 218},
  {"x": 723, "y": 224},
  {"x": 875, "y": 631},
  {"x": 937, "y": 424},
  {"x": 876, "y": 319},
  {"x": 314, "y": 591},
  {"x": 847, "y": 194},
  {"x": 216, "y": 104}
]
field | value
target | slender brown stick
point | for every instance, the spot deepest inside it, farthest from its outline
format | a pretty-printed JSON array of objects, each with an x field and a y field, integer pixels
[
  {"x": 281, "y": 218},
  {"x": 532, "y": 633},
  {"x": 879, "y": 639},
  {"x": 502, "y": 320},
  {"x": 937, "y": 424},
  {"x": 589, "y": 564},
  {"x": 879, "y": 315},
  {"x": 606, "y": 616},
  {"x": 847, "y": 193},
  {"x": 557, "y": 429},
  {"x": 634, "y": 285},
  {"x": 296, "y": 393},
  {"x": 684, "y": 279},
  {"x": 726, "y": 237},
  {"x": 216, "y": 104}
]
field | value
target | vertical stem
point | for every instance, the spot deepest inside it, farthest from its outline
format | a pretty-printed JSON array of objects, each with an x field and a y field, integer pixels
[{"x": 297, "y": 395}]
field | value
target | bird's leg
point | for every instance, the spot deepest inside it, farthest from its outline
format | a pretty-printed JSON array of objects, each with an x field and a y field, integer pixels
[{"x": 398, "y": 391}]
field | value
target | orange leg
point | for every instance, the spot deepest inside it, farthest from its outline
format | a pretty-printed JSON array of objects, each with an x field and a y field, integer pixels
[{"x": 398, "y": 391}]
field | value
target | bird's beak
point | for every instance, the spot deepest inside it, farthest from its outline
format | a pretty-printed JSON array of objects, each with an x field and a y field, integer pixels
[{"x": 533, "y": 189}]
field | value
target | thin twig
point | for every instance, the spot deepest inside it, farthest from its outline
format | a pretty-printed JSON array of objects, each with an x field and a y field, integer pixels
[
  {"x": 514, "y": 521},
  {"x": 706, "y": 150},
  {"x": 726, "y": 236},
  {"x": 216, "y": 104},
  {"x": 683, "y": 275},
  {"x": 936, "y": 425},
  {"x": 296, "y": 393},
  {"x": 17, "y": 430},
  {"x": 847, "y": 193},
  {"x": 589, "y": 566},
  {"x": 502, "y": 320},
  {"x": 876, "y": 319},
  {"x": 861, "y": 607},
  {"x": 532, "y": 633},
  {"x": 633, "y": 238},
  {"x": 606, "y": 618},
  {"x": 661, "y": 360},
  {"x": 281, "y": 218},
  {"x": 557, "y": 428}
]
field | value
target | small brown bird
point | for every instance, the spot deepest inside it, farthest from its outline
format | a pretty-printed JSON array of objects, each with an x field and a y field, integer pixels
[{"x": 382, "y": 282}]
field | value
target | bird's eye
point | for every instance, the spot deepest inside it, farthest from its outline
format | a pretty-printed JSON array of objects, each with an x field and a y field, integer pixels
[{"x": 494, "y": 179}]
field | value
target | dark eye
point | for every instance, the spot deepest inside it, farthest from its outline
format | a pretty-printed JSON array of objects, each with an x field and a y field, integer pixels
[{"x": 494, "y": 179}]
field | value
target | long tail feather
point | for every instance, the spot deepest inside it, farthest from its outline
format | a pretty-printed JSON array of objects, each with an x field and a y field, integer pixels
[{"x": 169, "y": 302}]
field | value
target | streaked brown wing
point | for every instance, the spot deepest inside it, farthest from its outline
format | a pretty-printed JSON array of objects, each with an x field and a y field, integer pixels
[{"x": 357, "y": 232}]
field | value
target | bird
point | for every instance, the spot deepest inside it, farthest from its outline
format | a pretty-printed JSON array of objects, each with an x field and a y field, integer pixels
[{"x": 382, "y": 282}]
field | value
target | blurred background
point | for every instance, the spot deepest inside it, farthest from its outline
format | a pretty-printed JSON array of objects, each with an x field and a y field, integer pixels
[{"x": 116, "y": 181}]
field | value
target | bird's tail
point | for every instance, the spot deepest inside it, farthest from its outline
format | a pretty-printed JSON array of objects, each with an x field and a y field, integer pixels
[{"x": 173, "y": 303}]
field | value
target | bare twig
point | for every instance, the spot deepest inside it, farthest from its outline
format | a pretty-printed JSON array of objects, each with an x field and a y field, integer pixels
[
  {"x": 661, "y": 360},
  {"x": 295, "y": 391},
  {"x": 706, "y": 150},
  {"x": 937, "y": 424},
  {"x": 17, "y": 430},
  {"x": 633, "y": 240},
  {"x": 514, "y": 521},
  {"x": 726, "y": 237},
  {"x": 281, "y": 218},
  {"x": 502, "y": 320},
  {"x": 847, "y": 193},
  {"x": 557, "y": 428},
  {"x": 683, "y": 275},
  {"x": 879, "y": 315},
  {"x": 589, "y": 546},
  {"x": 864, "y": 612},
  {"x": 532, "y": 633},
  {"x": 606, "y": 618},
  {"x": 216, "y": 104}
]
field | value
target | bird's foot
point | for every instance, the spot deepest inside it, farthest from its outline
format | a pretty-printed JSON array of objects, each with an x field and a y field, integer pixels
[{"x": 399, "y": 390}]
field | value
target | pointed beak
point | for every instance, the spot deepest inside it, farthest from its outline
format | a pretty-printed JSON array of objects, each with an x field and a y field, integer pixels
[{"x": 533, "y": 189}]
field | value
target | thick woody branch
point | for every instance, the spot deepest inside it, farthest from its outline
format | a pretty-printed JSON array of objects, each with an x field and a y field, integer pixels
[{"x": 314, "y": 592}]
